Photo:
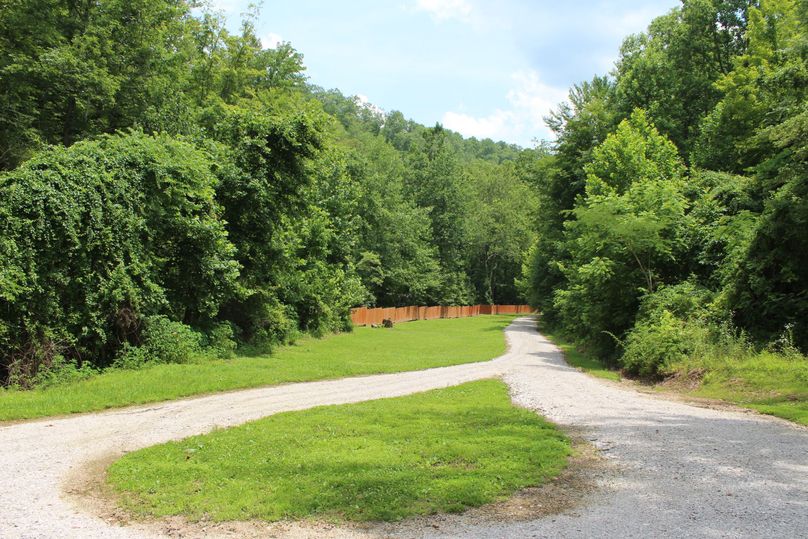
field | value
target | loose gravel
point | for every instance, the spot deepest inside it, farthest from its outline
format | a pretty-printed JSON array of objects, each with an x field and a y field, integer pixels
[{"x": 676, "y": 470}]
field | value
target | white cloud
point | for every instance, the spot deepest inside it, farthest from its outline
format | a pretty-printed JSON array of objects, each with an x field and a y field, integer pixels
[
  {"x": 444, "y": 10},
  {"x": 363, "y": 101},
  {"x": 271, "y": 40},
  {"x": 494, "y": 126},
  {"x": 529, "y": 101}
]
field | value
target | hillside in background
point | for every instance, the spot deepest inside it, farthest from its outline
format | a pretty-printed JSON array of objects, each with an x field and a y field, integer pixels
[{"x": 170, "y": 186}]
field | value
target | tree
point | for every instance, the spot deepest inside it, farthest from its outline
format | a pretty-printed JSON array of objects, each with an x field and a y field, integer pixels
[
  {"x": 630, "y": 223},
  {"x": 501, "y": 231},
  {"x": 397, "y": 259},
  {"x": 764, "y": 87},
  {"x": 72, "y": 69},
  {"x": 436, "y": 181},
  {"x": 670, "y": 71},
  {"x": 101, "y": 235}
]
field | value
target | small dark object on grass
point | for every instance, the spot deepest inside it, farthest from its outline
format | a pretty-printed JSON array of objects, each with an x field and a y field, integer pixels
[
  {"x": 375, "y": 326},
  {"x": 387, "y": 323}
]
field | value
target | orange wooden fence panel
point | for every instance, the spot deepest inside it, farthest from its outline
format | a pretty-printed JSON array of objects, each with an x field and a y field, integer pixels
[{"x": 363, "y": 316}]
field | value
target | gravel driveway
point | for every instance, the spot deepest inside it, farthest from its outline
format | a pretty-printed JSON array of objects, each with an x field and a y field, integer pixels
[{"x": 680, "y": 470}]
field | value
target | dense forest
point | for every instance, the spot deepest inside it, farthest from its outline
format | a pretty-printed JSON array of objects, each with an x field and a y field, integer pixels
[
  {"x": 673, "y": 218},
  {"x": 170, "y": 187}
]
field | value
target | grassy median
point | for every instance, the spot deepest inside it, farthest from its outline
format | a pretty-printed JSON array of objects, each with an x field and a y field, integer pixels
[
  {"x": 407, "y": 346},
  {"x": 439, "y": 451}
]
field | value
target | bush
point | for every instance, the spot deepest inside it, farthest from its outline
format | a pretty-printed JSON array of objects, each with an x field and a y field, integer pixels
[
  {"x": 653, "y": 346},
  {"x": 63, "y": 371},
  {"x": 96, "y": 236},
  {"x": 261, "y": 320},
  {"x": 164, "y": 341},
  {"x": 685, "y": 300},
  {"x": 221, "y": 340},
  {"x": 41, "y": 365},
  {"x": 672, "y": 324},
  {"x": 132, "y": 357},
  {"x": 169, "y": 341}
]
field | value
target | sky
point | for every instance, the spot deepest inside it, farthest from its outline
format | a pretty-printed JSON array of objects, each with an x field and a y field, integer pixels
[{"x": 488, "y": 69}]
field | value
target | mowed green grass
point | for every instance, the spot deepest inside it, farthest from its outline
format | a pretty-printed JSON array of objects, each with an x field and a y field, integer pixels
[
  {"x": 766, "y": 382},
  {"x": 440, "y": 451},
  {"x": 407, "y": 346}
]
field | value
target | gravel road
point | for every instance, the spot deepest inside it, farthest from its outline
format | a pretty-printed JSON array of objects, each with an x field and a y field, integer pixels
[{"x": 680, "y": 470}]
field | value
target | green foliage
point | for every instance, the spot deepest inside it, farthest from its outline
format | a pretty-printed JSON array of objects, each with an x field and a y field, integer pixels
[
  {"x": 284, "y": 200},
  {"x": 767, "y": 80},
  {"x": 501, "y": 231},
  {"x": 60, "y": 371},
  {"x": 630, "y": 222},
  {"x": 411, "y": 346},
  {"x": 670, "y": 71},
  {"x": 104, "y": 233},
  {"x": 170, "y": 342},
  {"x": 770, "y": 289},
  {"x": 646, "y": 260},
  {"x": 220, "y": 340},
  {"x": 686, "y": 299},
  {"x": 435, "y": 181},
  {"x": 559, "y": 179},
  {"x": 397, "y": 261},
  {"x": 654, "y": 345},
  {"x": 443, "y": 450},
  {"x": 74, "y": 69},
  {"x": 199, "y": 177}
]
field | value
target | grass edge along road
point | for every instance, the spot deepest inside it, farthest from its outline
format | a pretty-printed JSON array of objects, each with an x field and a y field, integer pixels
[
  {"x": 443, "y": 450},
  {"x": 406, "y": 347},
  {"x": 764, "y": 382},
  {"x": 578, "y": 358}
]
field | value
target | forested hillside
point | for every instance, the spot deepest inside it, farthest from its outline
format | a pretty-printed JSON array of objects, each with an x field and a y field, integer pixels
[
  {"x": 673, "y": 220},
  {"x": 172, "y": 188}
]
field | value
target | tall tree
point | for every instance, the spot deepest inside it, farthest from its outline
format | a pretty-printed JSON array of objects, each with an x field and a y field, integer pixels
[
  {"x": 436, "y": 181},
  {"x": 670, "y": 71}
]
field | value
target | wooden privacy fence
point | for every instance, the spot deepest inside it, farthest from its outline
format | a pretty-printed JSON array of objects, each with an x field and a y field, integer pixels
[{"x": 363, "y": 316}]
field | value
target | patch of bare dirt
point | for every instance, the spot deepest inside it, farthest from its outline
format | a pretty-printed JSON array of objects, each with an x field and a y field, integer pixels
[
  {"x": 86, "y": 487},
  {"x": 684, "y": 381}
]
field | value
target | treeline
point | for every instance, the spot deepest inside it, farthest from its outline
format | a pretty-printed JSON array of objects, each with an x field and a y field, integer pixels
[
  {"x": 673, "y": 215},
  {"x": 171, "y": 188}
]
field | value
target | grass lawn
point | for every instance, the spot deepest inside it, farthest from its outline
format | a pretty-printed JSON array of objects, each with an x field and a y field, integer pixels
[
  {"x": 439, "y": 451},
  {"x": 579, "y": 359},
  {"x": 769, "y": 383},
  {"x": 408, "y": 346}
]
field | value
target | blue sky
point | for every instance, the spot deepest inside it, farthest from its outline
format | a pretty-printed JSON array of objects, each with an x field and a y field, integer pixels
[{"x": 485, "y": 69}]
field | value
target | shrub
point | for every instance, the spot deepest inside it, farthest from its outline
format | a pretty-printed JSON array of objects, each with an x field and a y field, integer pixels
[
  {"x": 169, "y": 341},
  {"x": 672, "y": 325},
  {"x": 131, "y": 357},
  {"x": 42, "y": 364},
  {"x": 63, "y": 371},
  {"x": 653, "y": 346},
  {"x": 96, "y": 236},
  {"x": 262, "y": 320},
  {"x": 164, "y": 341},
  {"x": 684, "y": 300},
  {"x": 220, "y": 340}
]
